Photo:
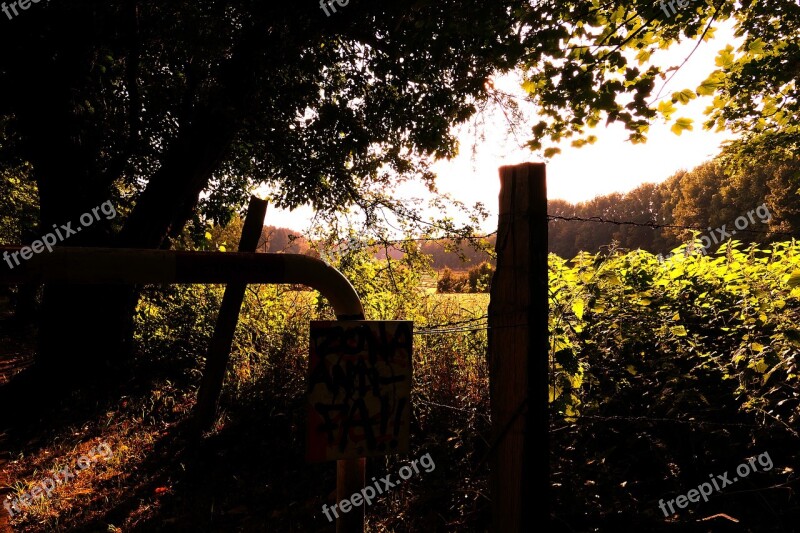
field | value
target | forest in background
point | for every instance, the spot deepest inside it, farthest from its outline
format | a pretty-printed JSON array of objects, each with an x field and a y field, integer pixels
[{"x": 742, "y": 177}]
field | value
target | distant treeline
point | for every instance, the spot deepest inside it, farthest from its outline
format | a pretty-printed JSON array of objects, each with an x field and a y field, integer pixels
[
  {"x": 739, "y": 180},
  {"x": 717, "y": 192},
  {"x": 445, "y": 253}
]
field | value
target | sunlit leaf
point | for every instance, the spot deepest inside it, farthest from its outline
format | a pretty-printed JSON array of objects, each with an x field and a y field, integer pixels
[
  {"x": 680, "y": 331},
  {"x": 681, "y": 125}
]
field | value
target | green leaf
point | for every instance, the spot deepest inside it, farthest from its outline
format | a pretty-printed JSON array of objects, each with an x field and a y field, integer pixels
[
  {"x": 577, "y": 308},
  {"x": 680, "y": 331},
  {"x": 711, "y": 84},
  {"x": 684, "y": 97},
  {"x": 681, "y": 125},
  {"x": 725, "y": 57},
  {"x": 566, "y": 358},
  {"x": 666, "y": 108},
  {"x": 529, "y": 86},
  {"x": 756, "y": 47}
]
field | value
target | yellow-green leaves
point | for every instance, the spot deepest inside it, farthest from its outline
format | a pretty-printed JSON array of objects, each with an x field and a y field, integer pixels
[
  {"x": 529, "y": 86},
  {"x": 577, "y": 308},
  {"x": 579, "y": 143},
  {"x": 681, "y": 125},
  {"x": 666, "y": 108},
  {"x": 685, "y": 96},
  {"x": 643, "y": 56},
  {"x": 711, "y": 84},
  {"x": 679, "y": 331},
  {"x": 725, "y": 57},
  {"x": 756, "y": 47}
]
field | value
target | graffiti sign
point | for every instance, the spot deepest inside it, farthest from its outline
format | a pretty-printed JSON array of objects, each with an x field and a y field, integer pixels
[{"x": 359, "y": 389}]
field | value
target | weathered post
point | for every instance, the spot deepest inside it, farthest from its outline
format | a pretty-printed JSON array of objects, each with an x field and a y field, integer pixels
[
  {"x": 518, "y": 354},
  {"x": 220, "y": 348}
]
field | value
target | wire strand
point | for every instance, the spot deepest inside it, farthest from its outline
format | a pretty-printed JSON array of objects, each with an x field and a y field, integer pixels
[{"x": 655, "y": 225}]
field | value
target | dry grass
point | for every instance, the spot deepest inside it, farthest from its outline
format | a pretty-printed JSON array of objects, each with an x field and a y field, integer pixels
[{"x": 249, "y": 474}]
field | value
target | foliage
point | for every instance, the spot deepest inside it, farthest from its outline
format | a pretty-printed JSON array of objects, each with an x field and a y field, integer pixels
[
  {"x": 171, "y": 106},
  {"x": 476, "y": 279},
  {"x": 614, "y": 306},
  {"x": 649, "y": 357},
  {"x": 19, "y": 206},
  {"x": 596, "y": 65},
  {"x": 662, "y": 374},
  {"x": 450, "y": 281}
]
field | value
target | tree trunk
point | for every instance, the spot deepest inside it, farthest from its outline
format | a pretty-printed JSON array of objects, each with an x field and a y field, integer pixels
[{"x": 86, "y": 331}]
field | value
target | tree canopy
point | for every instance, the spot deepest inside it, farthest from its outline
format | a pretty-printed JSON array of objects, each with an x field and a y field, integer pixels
[
  {"x": 164, "y": 105},
  {"x": 169, "y": 106},
  {"x": 595, "y": 64}
]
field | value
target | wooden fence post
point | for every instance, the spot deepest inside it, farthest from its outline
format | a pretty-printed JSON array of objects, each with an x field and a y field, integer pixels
[
  {"x": 518, "y": 355},
  {"x": 220, "y": 348},
  {"x": 350, "y": 479}
]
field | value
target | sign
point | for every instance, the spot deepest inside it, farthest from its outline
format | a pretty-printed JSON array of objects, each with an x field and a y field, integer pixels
[{"x": 359, "y": 389}]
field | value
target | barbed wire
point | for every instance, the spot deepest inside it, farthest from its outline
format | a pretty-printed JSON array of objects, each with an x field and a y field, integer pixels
[
  {"x": 457, "y": 322},
  {"x": 462, "y": 326},
  {"x": 655, "y": 225},
  {"x": 600, "y": 220},
  {"x": 662, "y": 420},
  {"x": 482, "y": 327},
  {"x": 470, "y": 410},
  {"x": 453, "y": 330},
  {"x": 448, "y": 327},
  {"x": 392, "y": 242}
]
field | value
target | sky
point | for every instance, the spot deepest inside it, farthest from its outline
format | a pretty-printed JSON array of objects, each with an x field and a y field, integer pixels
[{"x": 612, "y": 164}]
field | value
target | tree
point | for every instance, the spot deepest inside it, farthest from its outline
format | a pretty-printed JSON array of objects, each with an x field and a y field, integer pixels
[
  {"x": 480, "y": 277},
  {"x": 177, "y": 110},
  {"x": 601, "y": 69}
]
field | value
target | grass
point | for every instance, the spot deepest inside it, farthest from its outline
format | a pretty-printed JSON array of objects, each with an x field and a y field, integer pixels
[{"x": 249, "y": 474}]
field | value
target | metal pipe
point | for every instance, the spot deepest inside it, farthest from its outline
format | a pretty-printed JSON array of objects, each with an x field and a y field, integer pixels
[{"x": 119, "y": 265}]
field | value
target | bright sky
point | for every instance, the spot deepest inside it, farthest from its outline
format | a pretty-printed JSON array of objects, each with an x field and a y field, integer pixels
[{"x": 576, "y": 174}]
